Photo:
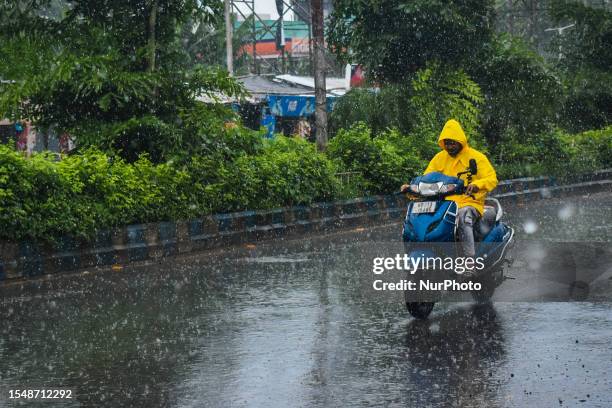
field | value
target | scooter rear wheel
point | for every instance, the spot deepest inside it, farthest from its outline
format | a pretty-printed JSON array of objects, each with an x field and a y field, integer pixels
[
  {"x": 486, "y": 292},
  {"x": 420, "y": 310}
]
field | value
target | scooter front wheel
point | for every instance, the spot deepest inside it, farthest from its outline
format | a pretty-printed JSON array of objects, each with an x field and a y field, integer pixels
[{"x": 420, "y": 310}]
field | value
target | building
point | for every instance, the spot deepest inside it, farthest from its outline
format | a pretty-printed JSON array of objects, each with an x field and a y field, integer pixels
[
  {"x": 296, "y": 36},
  {"x": 281, "y": 102}
]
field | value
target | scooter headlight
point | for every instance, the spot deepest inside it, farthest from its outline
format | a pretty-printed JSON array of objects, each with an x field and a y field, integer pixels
[{"x": 430, "y": 189}]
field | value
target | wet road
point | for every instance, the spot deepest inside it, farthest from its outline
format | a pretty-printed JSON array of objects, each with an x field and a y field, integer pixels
[{"x": 293, "y": 323}]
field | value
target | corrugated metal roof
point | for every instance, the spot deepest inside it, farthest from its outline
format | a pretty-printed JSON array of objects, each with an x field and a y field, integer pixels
[
  {"x": 259, "y": 86},
  {"x": 263, "y": 85},
  {"x": 330, "y": 83}
]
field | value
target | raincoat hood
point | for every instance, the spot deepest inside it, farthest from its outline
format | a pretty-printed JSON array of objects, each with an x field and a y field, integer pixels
[
  {"x": 485, "y": 179},
  {"x": 452, "y": 130}
]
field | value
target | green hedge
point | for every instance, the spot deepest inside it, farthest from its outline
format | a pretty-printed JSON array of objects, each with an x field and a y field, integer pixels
[
  {"x": 43, "y": 199},
  {"x": 383, "y": 163},
  {"x": 286, "y": 172},
  {"x": 388, "y": 159},
  {"x": 556, "y": 153}
]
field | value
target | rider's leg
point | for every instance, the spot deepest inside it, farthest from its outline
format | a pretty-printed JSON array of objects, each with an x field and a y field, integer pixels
[{"x": 466, "y": 220}]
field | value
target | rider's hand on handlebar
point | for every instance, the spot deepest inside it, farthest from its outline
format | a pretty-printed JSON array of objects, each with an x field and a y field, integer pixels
[
  {"x": 405, "y": 188},
  {"x": 471, "y": 189}
]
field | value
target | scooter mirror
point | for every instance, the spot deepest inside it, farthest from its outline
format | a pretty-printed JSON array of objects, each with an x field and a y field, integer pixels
[{"x": 473, "y": 166}]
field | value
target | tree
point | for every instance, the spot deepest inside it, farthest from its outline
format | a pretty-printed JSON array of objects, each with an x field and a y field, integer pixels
[
  {"x": 587, "y": 43},
  {"x": 205, "y": 44},
  {"x": 395, "y": 38},
  {"x": 585, "y": 53},
  {"x": 115, "y": 74},
  {"x": 522, "y": 91}
]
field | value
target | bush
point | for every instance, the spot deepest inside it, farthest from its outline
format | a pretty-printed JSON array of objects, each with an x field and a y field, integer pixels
[
  {"x": 383, "y": 165},
  {"x": 418, "y": 147},
  {"x": 554, "y": 153},
  {"x": 200, "y": 131},
  {"x": 588, "y": 104},
  {"x": 43, "y": 199},
  {"x": 286, "y": 172},
  {"x": 595, "y": 145},
  {"x": 309, "y": 175},
  {"x": 36, "y": 199}
]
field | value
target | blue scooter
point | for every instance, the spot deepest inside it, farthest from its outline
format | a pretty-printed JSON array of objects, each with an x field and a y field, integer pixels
[{"x": 432, "y": 219}]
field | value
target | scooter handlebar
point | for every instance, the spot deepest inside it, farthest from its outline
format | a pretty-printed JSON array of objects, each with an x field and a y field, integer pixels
[{"x": 409, "y": 192}]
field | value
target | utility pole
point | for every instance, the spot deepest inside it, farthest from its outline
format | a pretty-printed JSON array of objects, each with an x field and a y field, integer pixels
[
  {"x": 319, "y": 74},
  {"x": 280, "y": 33},
  {"x": 229, "y": 31},
  {"x": 310, "y": 63}
]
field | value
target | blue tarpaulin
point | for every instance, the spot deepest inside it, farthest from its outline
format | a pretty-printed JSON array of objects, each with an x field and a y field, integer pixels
[{"x": 295, "y": 105}]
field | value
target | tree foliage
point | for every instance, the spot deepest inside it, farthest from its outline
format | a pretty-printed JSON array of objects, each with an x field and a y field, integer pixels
[
  {"x": 382, "y": 164},
  {"x": 585, "y": 52},
  {"x": 587, "y": 42},
  {"x": 440, "y": 94},
  {"x": 522, "y": 92},
  {"x": 115, "y": 75},
  {"x": 418, "y": 108},
  {"x": 395, "y": 38}
]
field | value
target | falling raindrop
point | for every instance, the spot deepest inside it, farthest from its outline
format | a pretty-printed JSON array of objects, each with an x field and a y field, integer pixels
[
  {"x": 530, "y": 227},
  {"x": 566, "y": 212}
]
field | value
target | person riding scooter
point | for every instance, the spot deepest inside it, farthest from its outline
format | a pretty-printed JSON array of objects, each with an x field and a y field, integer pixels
[{"x": 454, "y": 160}]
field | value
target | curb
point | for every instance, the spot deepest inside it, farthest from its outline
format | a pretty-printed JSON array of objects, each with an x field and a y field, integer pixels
[{"x": 154, "y": 241}]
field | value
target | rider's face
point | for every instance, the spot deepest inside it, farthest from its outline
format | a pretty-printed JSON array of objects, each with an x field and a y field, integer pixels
[{"x": 452, "y": 147}]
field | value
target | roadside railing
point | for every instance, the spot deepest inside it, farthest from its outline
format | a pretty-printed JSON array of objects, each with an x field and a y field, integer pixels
[{"x": 345, "y": 177}]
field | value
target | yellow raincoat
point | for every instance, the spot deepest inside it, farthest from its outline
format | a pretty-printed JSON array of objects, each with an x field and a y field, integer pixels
[{"x": 485, "y": 178}]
